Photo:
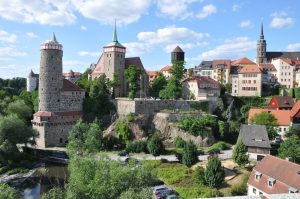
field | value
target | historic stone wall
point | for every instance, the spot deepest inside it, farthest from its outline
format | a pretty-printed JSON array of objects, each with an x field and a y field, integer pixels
[{"x": 71, "y": 100}]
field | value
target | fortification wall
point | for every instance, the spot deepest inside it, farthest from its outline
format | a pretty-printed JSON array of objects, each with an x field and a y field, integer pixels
[{"x": 71, "y": 101}]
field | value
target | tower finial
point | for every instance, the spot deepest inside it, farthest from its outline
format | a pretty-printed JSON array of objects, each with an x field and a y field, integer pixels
[
  {"x": 262, "y": 31},
  {"x": 115, "y": 37},
  {"x": 53, "y": 38}
]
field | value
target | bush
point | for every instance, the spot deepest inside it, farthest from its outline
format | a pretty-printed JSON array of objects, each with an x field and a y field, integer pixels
[
  {"x": 203, "y": 106},
  {"x": 197, "y": 192},
  {"x": 7, "y": 192},
  {"x": 137, "y": 146},
  {"x": 198, "y": 175},
  {"x": 155, "y": 145},
  {"x": 123, "y": 131},
  {"x": 241, "y": 188},
  {"x": 55, "y": 193},
  {"x": 171, "y": 173},
  {"x": 214, "y": 173},
  {"x": 179, "y": 142},
  {"x": 219, "y": 145}
]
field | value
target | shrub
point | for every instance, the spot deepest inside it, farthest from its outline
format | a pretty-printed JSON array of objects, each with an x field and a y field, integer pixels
[
  {"x": 198, "y": 175},
  {"x": 55, "y": 193},
  {"x": 241, "y": 188},
  {"x": 220, "y": 145},
  {"x": 123, "y": 131},
  {"x": 136, "y": 146},
  {"x": 7, "y": 192},
  {"x": 179, "y": 142},
  {"x": 155, "y": 145},
  {"x": 189, "y": 154},
  {"x": 203, "y": 106},
  {"x": 214, "y": 173}
]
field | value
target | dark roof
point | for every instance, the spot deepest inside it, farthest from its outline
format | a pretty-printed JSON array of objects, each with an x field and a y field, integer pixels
[
  {"x": 205, "y": 65},
  {"x": 69, "y": 86},
  {"x": 284, "y": 101},
  {"x": 255, "y": 136},
  {"x": 290, "y": 55},
  {"x": 134, "y": 61},
  {"x": 32, "y": 74},
  {"x": 177, "y": 50}
]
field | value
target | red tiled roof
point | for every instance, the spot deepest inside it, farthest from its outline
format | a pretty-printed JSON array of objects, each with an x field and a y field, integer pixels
[
  {"x": 71, "y": 74},
  {"x": 267, "y": 66},
  {"x": 99, "y": 69},
  {"x": 225, "y": 62},
  {"x": 250, "y": 69},
  {"x": 166, "y": 68},
  {"x": 69, "y": 86},
  {"x": 285, "y": 173},
  {"x": 283, "y": 116},
  {"x": 287, "y": 60},
  {"x": 202, "y": 80},
  {"x": 295, "y": 109},
  {"x": 152, "y": 73},
  {"x": 65, "y": 113},
  {"x": 282, "y": 101},
  {"x": 243, "y": 60}
]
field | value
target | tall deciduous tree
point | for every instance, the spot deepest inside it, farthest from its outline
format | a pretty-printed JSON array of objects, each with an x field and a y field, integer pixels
[
  {"x": 189, "y": 155},
  {"x": 133, "y": 73},
  {"x": 214, "y": 174},
  {"x": 158, "y": 84},
  {"x": 290, "y": 148},
  {"x": 23, "y": 111},
  {"x": 267, "y": 119},
  {"x": 240, "y": 155},
  {"x": 174, "y": 87}
]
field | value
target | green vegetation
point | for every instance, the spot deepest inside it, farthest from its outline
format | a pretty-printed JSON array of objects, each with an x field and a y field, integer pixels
[
  {"x": 179, "y": 142},
  {"x": 201, "y": 106},
  {"x": 12, "y": 86},
  {"x": 84, "y": 81},
  {"x": 155, "y": 145},
  {"x": 174, "y": 88},
  {"x": 55, "y": 193},
  {"x": 268, "y": 119},
  {"x": 137, "y": 193},
  {"x": 290, "y": 148},
  {"x": 297, "y": 93},
  {"x": 240, "y": 189},
  {"x": 158, "y": 84},
  {"x": 123, "y": 131},
  {"x": 23, "y": 111},
  {"x": 7, "y": 192},
  {"x": 198, "y": 175},
  {"x": 240, "y": 155},
  {"x": 137, "y": 146},
  {"x": 214, "y": 174},
  {"x": 189, "y": 154},
  {"x": 133, "y": 73},
  {"x": 218, "y": 145}
]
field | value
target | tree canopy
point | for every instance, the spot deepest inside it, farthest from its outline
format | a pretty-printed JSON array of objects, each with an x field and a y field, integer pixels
[
  {"x": 240, "y": 155},
  {"x": 189, "y": 154},
  {"x": 155, "y": 146},
  {"x": 214, "y": 174},
  {"x": 133, "y": 73},
  {"x": 290, "y": 148},
  {"x": 267, "y": 119},
  {"x": 158, "y": 84}
]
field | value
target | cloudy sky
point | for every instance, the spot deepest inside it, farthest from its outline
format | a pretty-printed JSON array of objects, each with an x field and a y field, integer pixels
[{"x": 205, "y": 29}]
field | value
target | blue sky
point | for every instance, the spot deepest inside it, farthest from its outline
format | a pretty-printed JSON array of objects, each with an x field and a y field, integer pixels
[{"x": 205, "y": 29}]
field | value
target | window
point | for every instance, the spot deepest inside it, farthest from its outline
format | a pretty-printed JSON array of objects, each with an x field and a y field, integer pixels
[
  {"x": 257, "y": 175},
  {"x": 260, "y": 193},
  {"x": 60, "y": 140},
  {"x": 254, "y": 190},
  {"x": 271, "y": 182}
]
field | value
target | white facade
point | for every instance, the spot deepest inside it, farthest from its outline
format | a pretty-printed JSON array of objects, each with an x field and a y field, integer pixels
[
  {"x": 253, "y": 191},
  {"x": 285, "y": 73},
  {"x": 31, "y": 83}
]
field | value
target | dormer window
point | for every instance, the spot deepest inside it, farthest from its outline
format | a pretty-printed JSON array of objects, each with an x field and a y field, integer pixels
[
  {"x": 271, "y": 182},
  {"x": 293, "y": 190},
  {"x": 257, "y": 175}
]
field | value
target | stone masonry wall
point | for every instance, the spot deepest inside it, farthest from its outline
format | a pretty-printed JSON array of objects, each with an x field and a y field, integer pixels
[{"x": 71, "y": 101}]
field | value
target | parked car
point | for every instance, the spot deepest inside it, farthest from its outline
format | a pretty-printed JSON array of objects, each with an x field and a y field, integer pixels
[
  {"x": 162, "y": 191},
  {"x": 214, "y": 151},
  {"x": 277, "y": 139},
  {"x": 123, "y": 153}
]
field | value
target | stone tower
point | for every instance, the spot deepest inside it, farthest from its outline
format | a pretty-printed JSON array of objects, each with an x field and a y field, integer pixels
[
  {"x": 50, "y": 80},
  {"x": 261, "y": 48},
  {"x": 114, "y": 62},
  {"x": 32, "y": 81},
  {"x": 177, "y": 54}
]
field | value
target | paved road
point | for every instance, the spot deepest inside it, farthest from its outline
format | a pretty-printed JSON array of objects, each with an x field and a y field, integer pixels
[{"x": 171, "y": 158}]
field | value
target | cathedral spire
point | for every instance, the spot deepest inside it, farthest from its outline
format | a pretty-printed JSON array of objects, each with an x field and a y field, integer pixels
[
  {"x": 115, "y": 37},
  {"x": 262, "y": 31}
]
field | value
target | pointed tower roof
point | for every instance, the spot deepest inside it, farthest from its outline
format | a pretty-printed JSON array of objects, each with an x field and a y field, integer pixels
[
  {"x": 115, "y": 38},
  {"x": 177, "y": 49},
  {"x": 51, "y": 44},
  {"x": 262, "y": 31},
  {"x": 53, "y": 39},
  {"x": 31, "y": 74}
]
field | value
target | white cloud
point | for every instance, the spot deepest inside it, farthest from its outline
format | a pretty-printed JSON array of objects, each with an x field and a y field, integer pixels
[
  {"x": 89, "y": 54},
  {"x": 107, "y": 11},
  {"x": 7, "y": 37},
  {"x": 175, "y": 8},
  {"x": 185, "y": 46},
  {"x": 53, "y": 12},
  {"x": 31, "y": 35},
  {"x": 136, "y": 48},
  {"x": 10, "y": 51},
  {"x": 207, "y": 11},
  {"x": 75, "y": 65},
  {"x": 83, "y": 28},
  {"x": 236, "y": 7},
  {"x": 246, "y": 24},
  {"x": 293, "y": 47},
  {"x": 281, "y": 19},
  {"x": 170, "y": 34},
  {"x": 230, "y": 49}
]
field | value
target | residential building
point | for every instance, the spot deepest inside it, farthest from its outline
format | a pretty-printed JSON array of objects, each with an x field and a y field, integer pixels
[
  {"x": 281, "y": 103},
  {"x": 269, "y": 73},
  {"x": 255, "y": 138},
  {"x": 200, "y": 88},
  {"x": 166, "y": 71},
  {"x": 273, "y": 175},
  {"x": 285, "y": 72},
  {"x": 221, "y": 70},
  {"x": 152, "y": 75},
  {"x": 72, "y": 76},
  {"x": 204, "y": 69}
]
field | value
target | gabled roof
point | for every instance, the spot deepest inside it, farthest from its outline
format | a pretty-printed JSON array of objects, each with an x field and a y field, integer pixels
[
  {"x": 243, "y": 61},
  {"x": 177, "y": 50},
  {"x": 134, "y": 61},
  {"x": 166, "y": 68},
  {"x": 69, "y": 86},
  {"x": 255, "y": 136},
  {"x": 286, "y": 60},
  {"x": 99, "y": 69},
  {"x": 225, "y": 63},
  {"x": 205, "y": 65},
  {"x": 290, "y": 55},
  {"x": 283, "y": 116},
  {"x": 267, "y": 67},
  {"x": 250, "y": 69},
  {"x": 152, "y": 73},
  {"x": 202, "y": 80},
  {"x": 286, "y": 175},
  {"x": 283, "y": 101},
  {"x": 295, "y": 109}
]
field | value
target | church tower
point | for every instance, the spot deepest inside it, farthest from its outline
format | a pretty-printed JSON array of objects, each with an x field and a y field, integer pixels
[
  {"x": 261, "y": 56},
  {"x": 114, "y": 62},
  {"x": 50, "y": 78},
  {"x": 177, "y": 54}
]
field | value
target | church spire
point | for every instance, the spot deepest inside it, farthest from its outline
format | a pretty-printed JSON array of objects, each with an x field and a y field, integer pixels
[
  {"x": 115, "y": 37},
  {"x": 262, "y": 31}
]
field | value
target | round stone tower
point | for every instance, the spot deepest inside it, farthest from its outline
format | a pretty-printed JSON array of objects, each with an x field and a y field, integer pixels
[
  {"x": 177, "y": 54},
  {"x": 50, "y": 79}
]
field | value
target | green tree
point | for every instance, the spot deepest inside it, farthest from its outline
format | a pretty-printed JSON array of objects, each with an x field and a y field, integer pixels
[
  {"x": 199, "y": 175},
  {"x": 114, "y": 83},
  {"x": 7, "y": 192},
  {"x": 214, "y": 174},
  {"x": 84, "y": 81},
  {"x": 267, "y": 119},
  {"x": 123, "y": 131},
  {"x": 23, "y": 111},
  {"x": 133, "y": 73},
  {"x": 137, "y": 194},
  {"x": 158, "y": 84},
  {"x": 297, "y": 93},
  {"x": 190, "y": 154},
  {"x": 54, "y": 193},
  {"x": 174, "y": 87},
  {"x": 179, "y": 142},
  {"x": 240, "y": 155},
  {"x": 155, "y": 145},
  {"x": 190, "y": 72},
  {"x": 290, "y": 148},
  {"x": 13, "y": 131}
]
